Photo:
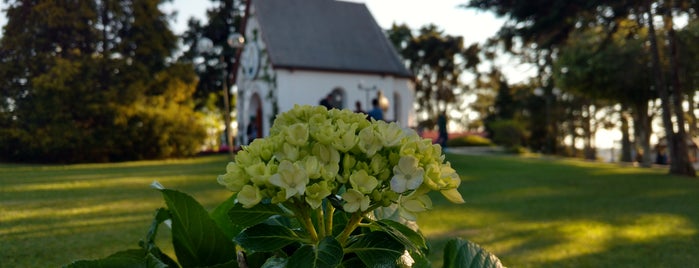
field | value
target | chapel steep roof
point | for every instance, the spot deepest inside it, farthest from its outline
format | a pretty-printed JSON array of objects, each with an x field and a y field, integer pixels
[{"x": 326, "y": 35}]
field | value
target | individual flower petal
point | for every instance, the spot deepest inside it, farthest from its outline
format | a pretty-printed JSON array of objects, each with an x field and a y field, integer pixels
[
  {"x": 410, "y": 205},
  {"x": 453, "y": 196},
  {"x": 355, "y": 201},
  {"x": 249, "y": 196}
]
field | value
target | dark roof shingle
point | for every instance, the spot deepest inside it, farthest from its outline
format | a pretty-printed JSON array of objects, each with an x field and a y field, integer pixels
[{"x": 326, "y": 35}]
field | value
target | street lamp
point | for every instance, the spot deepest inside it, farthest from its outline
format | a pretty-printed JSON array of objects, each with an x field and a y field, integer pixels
[
  {"x": 368, "y": 90},
  {"x": 236, "y": 41}
]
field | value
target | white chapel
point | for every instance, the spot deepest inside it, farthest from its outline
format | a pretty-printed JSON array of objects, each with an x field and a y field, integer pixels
[{"x": 304, "y": 51}]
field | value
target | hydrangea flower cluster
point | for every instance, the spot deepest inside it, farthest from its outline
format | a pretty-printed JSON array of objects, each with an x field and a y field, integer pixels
[{"x": 314, "y": 154}]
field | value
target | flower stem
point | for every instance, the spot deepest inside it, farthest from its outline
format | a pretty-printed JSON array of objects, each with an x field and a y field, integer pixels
[
  {"x": 329, "y": 220},
  {"x": 349, "y": 228},
  {"x": 321, "y": 221},
  {"x": 303, "y": 215}
]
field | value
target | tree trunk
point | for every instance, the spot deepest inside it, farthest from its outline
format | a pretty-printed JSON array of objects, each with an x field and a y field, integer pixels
[
  {"x": 625, "y": 138},
  {"x": 679, "y": 165},
  {"x": 692, "y": 120},
  {"x": 680, "y": 158},
  {"x": 642, "y": 130},
  {"x": 588, "y": 133}
]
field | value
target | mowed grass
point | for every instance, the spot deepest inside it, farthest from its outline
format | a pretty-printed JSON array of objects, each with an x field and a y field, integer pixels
[
  {"x": 529, "y": 212},
  {"x": 52, "y": 215},
  {"x": 570, "y": 213}
]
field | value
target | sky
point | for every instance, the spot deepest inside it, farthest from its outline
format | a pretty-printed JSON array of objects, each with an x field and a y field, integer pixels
[{"x": 474, "y": 26}]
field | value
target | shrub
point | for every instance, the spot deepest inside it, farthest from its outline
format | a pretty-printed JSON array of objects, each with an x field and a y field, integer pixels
[
  {"x": 469, "y": 140},
  {"x": 508, "y": 133}
]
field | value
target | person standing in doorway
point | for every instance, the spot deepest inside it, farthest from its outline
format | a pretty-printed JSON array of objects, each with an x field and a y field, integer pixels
[{"x": 376, "y": 111}]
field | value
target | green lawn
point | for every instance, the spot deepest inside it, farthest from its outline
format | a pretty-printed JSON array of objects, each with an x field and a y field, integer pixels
[{"x": 529, "y": 212}]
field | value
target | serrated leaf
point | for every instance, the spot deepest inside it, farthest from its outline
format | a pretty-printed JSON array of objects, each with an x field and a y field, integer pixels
[
  {"x": 328, "y": 253},
  {"x": 265, "y": 238},
  {"x": 128, "y": 258},
  {"x": 197, "y": 240},
  {"x": 245, "y": 217},
  {"x": 220, "y": 216},
  {"x": 376, "y": 249},
  {"x": 459, "y": 253},
  {"x": 412, "y": 240}
]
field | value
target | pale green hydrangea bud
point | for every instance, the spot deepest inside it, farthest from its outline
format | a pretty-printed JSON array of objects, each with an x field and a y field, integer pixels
[
  {"x": 312, "y": 167},
  {"x": 355, "y": 201},
  {"x": 297, "y": 134},
  {"x": 234, "y": 179},
  {"x": 322, "y": 129},
  {"x": 288, "y": 152},
  {"x": 407, "y": 175},
  {"x": 363, "y": 182},
  {"x": 291, "y": 177},
  {"x": 432, "y": 177},
  {"x": 260, "y": 173},
  {"x": 378, "y": 164},
  {"x": 247, "y": 158},
  {"x": 264, "y": 148},
  {"x": 369, "y": 141},
  {"x": 390, "y": 133},
  {"x": 347, "y": 137},
  {"x": 249, "y": 196},
  {"x": 329, "y": 158},
  {"x": 315, "y": 193}
]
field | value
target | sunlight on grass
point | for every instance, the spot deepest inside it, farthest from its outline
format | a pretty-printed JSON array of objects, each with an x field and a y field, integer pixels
[
  {"x": 71, "y": 226},
  {"x": 76, "y": 184},
  {"x": 51, "y": 212}
]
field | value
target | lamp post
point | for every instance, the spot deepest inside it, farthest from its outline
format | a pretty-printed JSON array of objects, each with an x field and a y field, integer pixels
[
  {"x": 367, "y": 90},
  {"x": 205, "y": 45}
]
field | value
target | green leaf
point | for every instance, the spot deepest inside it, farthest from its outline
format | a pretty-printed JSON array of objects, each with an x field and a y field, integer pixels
[
  {"x": 376, "y": 249},
  {"x": 328, "y": 253},
  {"x": 412, "y": 240},
  {"x": 197, "y": 240},
  {"x": 220, "y": 216},
  {"x": 459, "y": 253},
  {"x": 161, "y": 215},
  {"x": 275, "y": 262},
  {"x": 264, "y": 237},
  {"x": 135, "y": 258},
  {"x": 245, "y": 217}
]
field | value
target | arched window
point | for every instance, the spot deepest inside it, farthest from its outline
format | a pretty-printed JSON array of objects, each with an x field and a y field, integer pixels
[{"x": 338, "y": 98}]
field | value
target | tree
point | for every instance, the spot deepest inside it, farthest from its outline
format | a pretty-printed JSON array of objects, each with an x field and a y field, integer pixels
[
  {"x": 585, "y": 66},
  {"x": 214, "y": 69},
  {"x": 549, "y": 23},
  {"x": 433, "y": 59},
  {"x": 91, "y": 81}
]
